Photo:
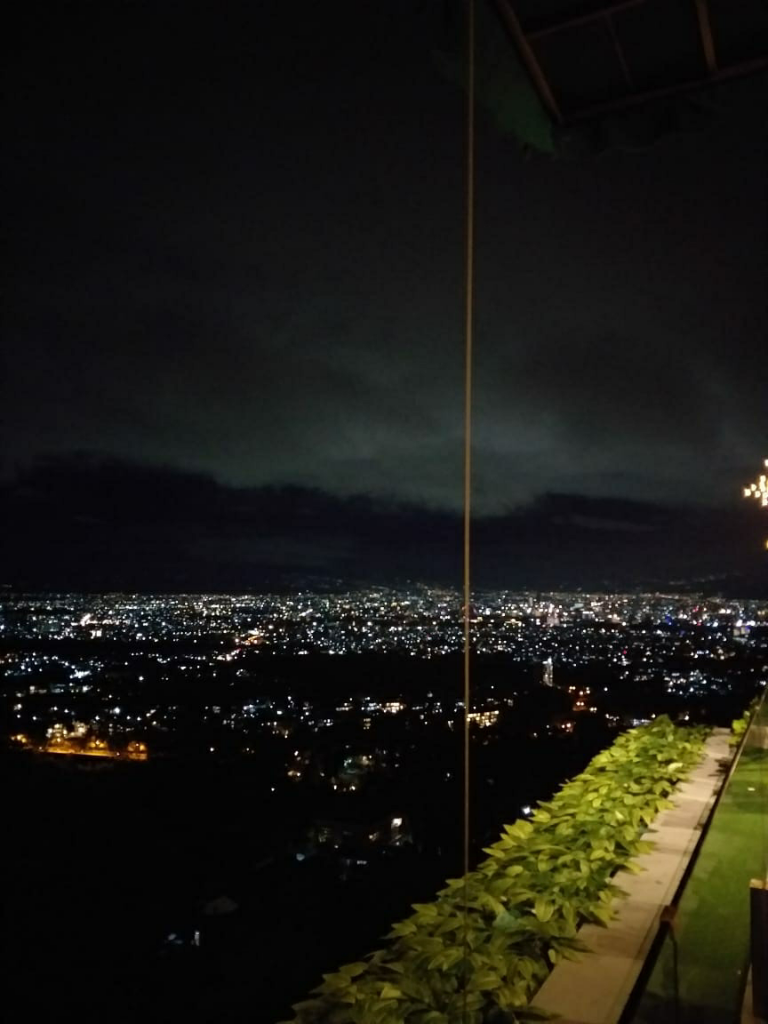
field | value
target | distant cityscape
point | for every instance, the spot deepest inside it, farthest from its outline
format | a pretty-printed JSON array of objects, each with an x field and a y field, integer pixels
[
  {"x": 247, "y": 761},
  {"x": 100, "y": 674}
]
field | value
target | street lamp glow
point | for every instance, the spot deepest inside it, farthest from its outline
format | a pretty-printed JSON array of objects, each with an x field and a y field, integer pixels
[{"x": 759, "y": 491}]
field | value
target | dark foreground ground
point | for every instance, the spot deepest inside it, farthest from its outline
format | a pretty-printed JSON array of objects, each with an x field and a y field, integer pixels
[{"x": 105, "y": 861}]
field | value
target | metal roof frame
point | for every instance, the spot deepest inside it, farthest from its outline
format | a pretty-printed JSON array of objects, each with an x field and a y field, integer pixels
[{"x": 528, "y": 39}]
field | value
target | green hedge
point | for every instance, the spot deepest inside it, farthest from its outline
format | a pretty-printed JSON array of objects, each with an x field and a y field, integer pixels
[
  {"x": 482, "y": 948},
  {"x": 740, "y": 725}
]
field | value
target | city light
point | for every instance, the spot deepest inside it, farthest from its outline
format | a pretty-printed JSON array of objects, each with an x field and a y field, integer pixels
[
  {"x": 118, "y": 701},
  {"x": 759, "y": 491}
]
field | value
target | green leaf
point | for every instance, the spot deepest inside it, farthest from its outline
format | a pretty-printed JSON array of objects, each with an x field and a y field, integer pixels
[
  {"x": 334, "y": 982},
  {"x": 484, "y": 981},
  {"x": 569, "y": 954},
  {"x": 492, "y": 903},
  {"x": 390, "y": 992},
  {"x": 543, "y": 910},
  {"x": 603, "y": 914},
  {"x": 402, "y": 928},
  {"x": 352, "y": 970},
  {"x": 521, "y": 829},
  {"x": 534, "y": 1013},
  {"x": 447, "y": 959},
  {"x": 306, "y": 1004},
  {"x": 494, "y": 852}
]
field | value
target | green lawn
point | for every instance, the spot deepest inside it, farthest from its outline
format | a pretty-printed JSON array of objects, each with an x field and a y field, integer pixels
[{"x": 699, "y": 976}]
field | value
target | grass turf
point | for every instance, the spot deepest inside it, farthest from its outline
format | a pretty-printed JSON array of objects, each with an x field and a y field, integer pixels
[{"x": 700, "y": 973}]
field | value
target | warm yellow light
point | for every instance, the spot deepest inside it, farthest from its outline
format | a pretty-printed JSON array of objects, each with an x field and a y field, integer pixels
[{"x": 759, "y": 491}]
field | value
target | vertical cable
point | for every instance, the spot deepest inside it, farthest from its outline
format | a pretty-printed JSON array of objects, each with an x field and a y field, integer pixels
[{"x": 468, "y": 325}]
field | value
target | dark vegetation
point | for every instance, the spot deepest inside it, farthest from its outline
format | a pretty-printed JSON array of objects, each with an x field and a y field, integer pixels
[{"x": 105, "y": 860}]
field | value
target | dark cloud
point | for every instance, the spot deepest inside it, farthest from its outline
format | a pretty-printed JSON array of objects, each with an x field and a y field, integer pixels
[
  {"x": 86, "y": 522},
  {"x": 238, "y": 252}
]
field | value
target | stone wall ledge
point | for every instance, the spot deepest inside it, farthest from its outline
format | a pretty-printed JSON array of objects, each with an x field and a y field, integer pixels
[{"x": 596, "y": 988}]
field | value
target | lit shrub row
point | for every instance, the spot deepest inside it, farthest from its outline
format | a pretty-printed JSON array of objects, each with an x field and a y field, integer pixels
[
  {"x": 483, "y": 947},
  {"x": 739, "y": 726}
]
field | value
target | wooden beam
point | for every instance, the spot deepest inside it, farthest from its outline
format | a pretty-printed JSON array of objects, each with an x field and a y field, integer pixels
[
  {"x": 619, "y": 52},
  {"x": 528, "y": 57},
  {"x": 748, "y": 67},
  {"x": 707, "y": 39},
  {"x": 582, "y": 19}
]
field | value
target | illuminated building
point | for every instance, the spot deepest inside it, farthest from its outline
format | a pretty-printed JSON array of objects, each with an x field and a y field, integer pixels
[
  {"x": 483, "y": 719},
  {"x": 549, "y": 673}
]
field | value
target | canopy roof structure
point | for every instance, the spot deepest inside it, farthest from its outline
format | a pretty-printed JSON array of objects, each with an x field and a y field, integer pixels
[
  {"x": 587, "y": 59},
  {"x": 552, "y": 68}
]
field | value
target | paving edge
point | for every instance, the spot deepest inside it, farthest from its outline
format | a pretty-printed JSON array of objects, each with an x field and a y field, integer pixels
[{"x": 596, "y": 988}]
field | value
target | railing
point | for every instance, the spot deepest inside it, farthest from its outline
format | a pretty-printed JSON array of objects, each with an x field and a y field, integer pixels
[{"x": 700, "y": 974}]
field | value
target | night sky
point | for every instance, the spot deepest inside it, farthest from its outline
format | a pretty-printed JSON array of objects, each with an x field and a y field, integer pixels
[{"x": 233, "y": 324}]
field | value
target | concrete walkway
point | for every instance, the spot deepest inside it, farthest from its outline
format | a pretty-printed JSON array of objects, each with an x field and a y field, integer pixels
[{"x": 595, "y": 989}]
